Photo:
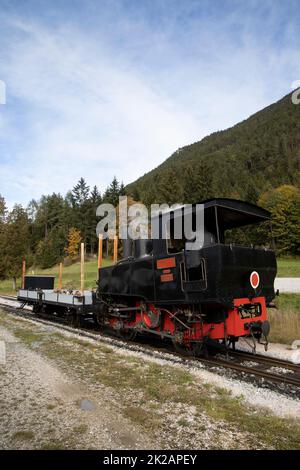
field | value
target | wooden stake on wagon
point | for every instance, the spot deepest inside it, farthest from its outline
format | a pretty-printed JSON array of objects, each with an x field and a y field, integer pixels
[
  {"x": 100, "y": 251},
  {"x": 23, "y": 273},
  {"x": 60, "y": 276},
  {"x": 82, "y": 269},
  {"x": 115, "y": 254}
]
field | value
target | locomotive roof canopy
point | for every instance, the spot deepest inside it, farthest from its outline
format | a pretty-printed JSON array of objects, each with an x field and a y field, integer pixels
[
  {"x": 234, "y": 213},
  {"x": 231, "y": 213}
]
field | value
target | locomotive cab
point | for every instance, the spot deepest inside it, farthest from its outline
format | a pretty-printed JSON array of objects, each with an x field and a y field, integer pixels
[{"x": 219, "y": 271}]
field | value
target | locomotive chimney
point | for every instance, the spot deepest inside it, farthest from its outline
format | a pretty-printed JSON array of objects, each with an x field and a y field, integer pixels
[{"x": 127, "y": 248}]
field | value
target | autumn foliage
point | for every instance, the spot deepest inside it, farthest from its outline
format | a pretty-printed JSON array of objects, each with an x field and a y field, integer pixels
[{"x": 74, "y": 239}]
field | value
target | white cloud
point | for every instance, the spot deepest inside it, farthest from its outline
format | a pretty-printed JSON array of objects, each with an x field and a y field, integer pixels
[
  {"x": 120, "y": 98},
  {"x": 87, "y": 115}
]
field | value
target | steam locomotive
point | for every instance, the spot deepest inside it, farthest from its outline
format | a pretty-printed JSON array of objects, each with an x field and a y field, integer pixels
[
  {"x": 209, "y": 297},
  {"x": 198, "y": 298}
]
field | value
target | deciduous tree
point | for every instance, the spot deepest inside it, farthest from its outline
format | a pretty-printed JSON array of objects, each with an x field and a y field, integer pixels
[{"x": 74, "y": 239}]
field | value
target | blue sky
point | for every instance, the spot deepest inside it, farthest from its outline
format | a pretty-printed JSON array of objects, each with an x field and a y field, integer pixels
[{"x": 104, "y": 88}]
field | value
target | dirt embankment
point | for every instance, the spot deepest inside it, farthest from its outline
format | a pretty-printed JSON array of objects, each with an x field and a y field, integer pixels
[{"x": 58, "y": 391}]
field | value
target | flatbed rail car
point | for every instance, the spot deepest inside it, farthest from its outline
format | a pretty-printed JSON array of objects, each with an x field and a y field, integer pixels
[{"x": 72, "y": 305}]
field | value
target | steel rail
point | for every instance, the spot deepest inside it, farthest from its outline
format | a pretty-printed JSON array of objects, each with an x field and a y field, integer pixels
[
  {"x": 268, "y": 360},
  {"x": 265, "y": 374}
]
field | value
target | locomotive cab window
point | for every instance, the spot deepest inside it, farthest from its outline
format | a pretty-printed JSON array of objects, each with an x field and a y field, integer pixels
[
  {"x": 247, "y": 235},
  {"x": 207, "y": 233},
  {"x": 175, "y": 227},
  {"x": 237, "y": 222}
]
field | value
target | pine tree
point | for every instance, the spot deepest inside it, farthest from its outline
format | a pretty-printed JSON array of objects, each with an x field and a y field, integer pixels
[
  {"x": 50, "y": 251},
  {"x": 169, "y": 189},
  {"x": 3, "y": 213},
  {"x": 252, "y": 193},
  {"x": 3, "y": 209},
  {"x": 82, "y": 210},
  {"x": 112, "y": 193},
  {"x": 196, "y": 183},
  {"x": 135, "y": 193},
  {"x": 15, "y": 243},
  {"x": 81, "y": 192},
  {"x": 122, "y": 191},
  {"x": 95, "y": 197},
  {"x": 95, "y": 201}
]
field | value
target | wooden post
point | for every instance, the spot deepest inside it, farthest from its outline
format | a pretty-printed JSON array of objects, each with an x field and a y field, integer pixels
[
  {"x": 100, "y": 251},
  {"x": 23, "y": 273},
  {"x": 82, "y": 269},
  {"x": 115, "y": 253},
  {"x": 60, "y": 276}
]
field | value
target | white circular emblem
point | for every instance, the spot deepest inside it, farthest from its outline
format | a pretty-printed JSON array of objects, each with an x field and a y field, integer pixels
[{"x": 254, "y": 279}]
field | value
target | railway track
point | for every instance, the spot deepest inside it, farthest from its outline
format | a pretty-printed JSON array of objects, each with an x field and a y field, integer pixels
[
  {"x": 272, "y": 361},
  {"x": 276, "y": 371},
  {"x": 8, "y": 297}
]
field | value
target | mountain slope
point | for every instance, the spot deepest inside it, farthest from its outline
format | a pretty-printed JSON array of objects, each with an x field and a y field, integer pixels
[{"x": 243, "y": 161}]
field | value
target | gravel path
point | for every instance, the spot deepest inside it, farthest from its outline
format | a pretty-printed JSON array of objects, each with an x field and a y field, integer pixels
[
  {"x": 40, "y": 404},
  {"x": 53, "y": 403},
  {"x": 42, "y": 407}
]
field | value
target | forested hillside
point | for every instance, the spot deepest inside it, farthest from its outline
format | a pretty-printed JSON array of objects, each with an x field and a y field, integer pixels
[
  {"x": 245, "y": 161},
  {"x": 50, "y": 229}
]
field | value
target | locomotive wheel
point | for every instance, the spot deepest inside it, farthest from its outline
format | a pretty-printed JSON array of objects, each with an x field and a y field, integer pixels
[
  {"x": 98, "y": 320},
  {"x": 193, "y": 349},
  {"x": 182, "y": 347},
  {"x": 100, "y": 314},
  {"x": 36, "y": 309},
  {"x": 128, "y": 335}
]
